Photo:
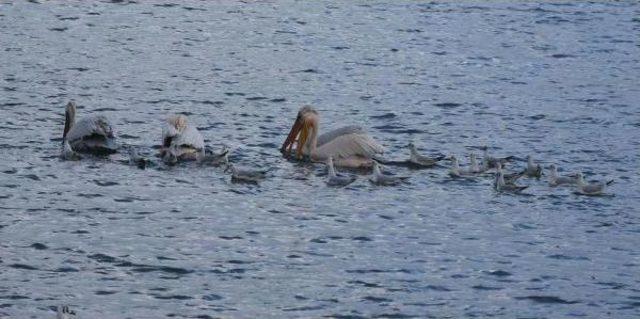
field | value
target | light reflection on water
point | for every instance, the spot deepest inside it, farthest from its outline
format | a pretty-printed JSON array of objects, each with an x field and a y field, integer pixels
[{"x": 556, "y": 81}]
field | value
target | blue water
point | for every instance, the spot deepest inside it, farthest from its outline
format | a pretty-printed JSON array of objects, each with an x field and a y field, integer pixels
[{"x": 558, "y": 81}]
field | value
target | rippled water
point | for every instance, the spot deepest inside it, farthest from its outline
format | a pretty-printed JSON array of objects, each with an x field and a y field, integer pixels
[{"x": 559, "y": 81}]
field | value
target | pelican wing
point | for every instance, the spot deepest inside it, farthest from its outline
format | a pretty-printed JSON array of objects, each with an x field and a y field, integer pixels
[
  {"x": 357, "y": 144},
  {"x": 97, "y": 125},
  {"x": 331, "y": 135},
  {"x": 189, "y": 137}
]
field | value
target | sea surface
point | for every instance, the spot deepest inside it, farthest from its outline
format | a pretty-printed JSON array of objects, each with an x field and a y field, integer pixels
[{"x": 559, "y": 81}]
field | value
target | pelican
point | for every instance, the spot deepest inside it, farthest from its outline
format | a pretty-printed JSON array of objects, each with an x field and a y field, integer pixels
[
  {"x": 350, "y": 146},
  {"x": 533, "y": 169},
  {"x": 592, "y": 188},
  {"x": 385, "y": 180},
  {"x": 180, "y": 141},
  {"x": 557, "y": 180},
  {"x": 91, "y": 134},
  {"x": 421, "y": 160},
  {"x": 500, "y": 185},
  {"x": 334, "y": 178}
]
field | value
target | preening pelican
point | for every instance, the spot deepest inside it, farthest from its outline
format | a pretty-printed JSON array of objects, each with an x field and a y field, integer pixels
[
  {"x": 181, "y": 141},
  {"x": 91, "y": 134},
  {"x": 349, "y": 146}
]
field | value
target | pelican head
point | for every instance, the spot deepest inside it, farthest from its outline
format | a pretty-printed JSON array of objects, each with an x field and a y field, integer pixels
[
  {"x": 69, "y": 118},
  {"x": 178, "y": 121},
  {"x": 307, "y": 120}
]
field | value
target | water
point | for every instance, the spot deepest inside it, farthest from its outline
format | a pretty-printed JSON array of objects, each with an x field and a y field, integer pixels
[{"x": 559, "y": 81}]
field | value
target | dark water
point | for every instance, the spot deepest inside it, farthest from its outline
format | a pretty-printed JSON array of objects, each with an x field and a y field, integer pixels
[{"x": 560, "y": 81}]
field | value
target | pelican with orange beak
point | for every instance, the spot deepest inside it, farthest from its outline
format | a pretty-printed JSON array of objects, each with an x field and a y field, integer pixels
[{"x": 349, "y": 146}]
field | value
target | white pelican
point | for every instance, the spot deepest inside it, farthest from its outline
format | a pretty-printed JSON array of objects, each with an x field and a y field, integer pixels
[
  {"x": 350, "y": 146},
  {"x": 533, "y": 169},
  {"x": 334, "y": 178},
  {"x": 385, "y": 180},
  {"x": 592, "y": 188},
  {"x": 557, "y": 180},
  {"x": 91, "y": 134},
  {"x": 181, "y": 141}
]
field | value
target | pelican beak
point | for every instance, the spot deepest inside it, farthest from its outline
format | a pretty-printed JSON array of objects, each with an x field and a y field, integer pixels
[
  {"x": 304, "y": 135},
  {"x": 288, "y": 143}
]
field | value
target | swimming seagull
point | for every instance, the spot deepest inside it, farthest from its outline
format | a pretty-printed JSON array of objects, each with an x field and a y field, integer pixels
[
  {"x": 91, "y": 134},
  {"x": 63, "y": 312},
  {"x": 592, "y": 188},
  {"x": 334, "y": 178},
  {"x": 136, "y": 159},
  {"x": 489, "y": 161},
  {"x": 421, "y": 160},
  {"x": 533, "y": 169},
  {"x": 475, "y": 168},
  {"x": 509, "y": 178},
  {"x": 385, "y": 180},
  {"x": 500, "y": 185},
  {"x": 182, "y": 140},
  {"x": 350, "y": 146},
  {"x": 557, "y": 180},
  {"x": 455, "y": 170},
  {"x": 245, "y": 175},
  {"x": 67, "y": 152},
  {"x": 216, "y": 159}
]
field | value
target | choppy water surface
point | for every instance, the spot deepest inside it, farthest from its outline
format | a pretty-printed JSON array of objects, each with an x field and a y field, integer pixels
[{"x": 559, "y": 81}]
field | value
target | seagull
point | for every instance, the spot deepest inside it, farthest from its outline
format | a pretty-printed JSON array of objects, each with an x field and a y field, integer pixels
[
  {"x": 136, "y": 159},
  {"x": 500, "y": 185},
  {"x": 421, "y": 160},
  {"x": 557, "y": 180},
  {"x": 509, "y": 178},
  {"x": 63, "y": 312},
  {"x": 533, "y": 169},
  {"x": 215, "y": 159},
  {"x": 385, "y": 180},
  {"x": 489, "y": 161},
  {"x": 475, "y": 168},
  {"x": 169, "y": 156},
  {"x": 455, "y": 171},
  {"x": 592, "y": 188},
  {"x": 68, "y": 154},
  {"x": 245, "y": 175},
  {"x": 335, "y": 179}
]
